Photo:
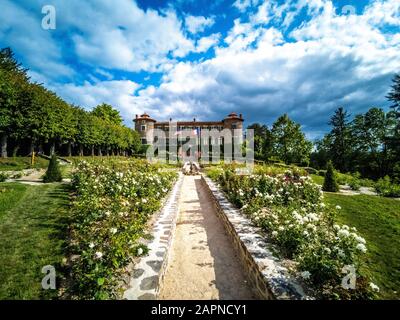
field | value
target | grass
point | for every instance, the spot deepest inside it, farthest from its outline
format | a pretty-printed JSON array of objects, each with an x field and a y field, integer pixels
[
  {"x": 377, "y": 219},
  {"x": 21, "y": 163},
  {"x": 33, "y": 224},
  {"x": 317, "y": 179}
]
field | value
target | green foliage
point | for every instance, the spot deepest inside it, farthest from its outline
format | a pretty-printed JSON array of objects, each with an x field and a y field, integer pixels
[
  {"x": 289, "y": 142},
  {"x": 289, "y": 208},
  {"x": 30, "y": 112},
  {"x": 330, "y": 183},
  {"x": 113, "y": 202},
  {"x": 378, "y": 220},
  {"x": 340, "y": 138},
  {"x": 355, "y": 184},
  {"x": 107, "y": 113},
  {"x": 385, "y": 187},
  {"x": 53, "y": 173},
  {"x": 3, "y": 177}
]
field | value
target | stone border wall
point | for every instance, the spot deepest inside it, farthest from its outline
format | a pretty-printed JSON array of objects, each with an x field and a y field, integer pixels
[
  {"x": 148, "y": 273},
  {"x": 267, "y": 275}
]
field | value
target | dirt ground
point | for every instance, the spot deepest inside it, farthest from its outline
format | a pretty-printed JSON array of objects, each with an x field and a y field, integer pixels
[{"x": 203, "y": 263}]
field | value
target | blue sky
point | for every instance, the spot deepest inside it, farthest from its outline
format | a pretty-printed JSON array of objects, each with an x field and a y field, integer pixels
[{"x": 204, "y": 59}]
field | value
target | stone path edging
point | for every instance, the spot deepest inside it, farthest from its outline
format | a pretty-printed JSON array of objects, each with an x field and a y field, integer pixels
[
  {"x": 148, "y": 273},
  {"x": 265, "y": 271}
]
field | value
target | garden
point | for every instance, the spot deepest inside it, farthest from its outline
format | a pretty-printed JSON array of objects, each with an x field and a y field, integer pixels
[
  {"x": 112, "y": 204},
  {"x": 89, "y": 229},
  {"x": 313, "y": 231}
]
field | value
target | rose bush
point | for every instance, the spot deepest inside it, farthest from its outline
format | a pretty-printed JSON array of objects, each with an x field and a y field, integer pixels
[
  {"x": 289, "y": 207},
  {"x": 112, "y": 204}
]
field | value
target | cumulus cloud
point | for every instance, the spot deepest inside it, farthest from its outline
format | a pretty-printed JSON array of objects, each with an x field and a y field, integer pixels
[
  {"x": 268, "y": 63},
  {"x": 196, "y": 24},
  {"x": 331, "y": 61},
  {"x": 22, "y": 30},
  {"x": 107, "y": 34},
  {"x": 118, "y": 93},
  {"x": 206, "y": 43}
]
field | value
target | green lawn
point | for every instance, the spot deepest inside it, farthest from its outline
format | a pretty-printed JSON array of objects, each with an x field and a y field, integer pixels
[
  {"x": 377, "y": 219},
  {"x": 33, "y": 222},
  {"x": 20, "y": 163},
  {"x": 317, "y": 179}
]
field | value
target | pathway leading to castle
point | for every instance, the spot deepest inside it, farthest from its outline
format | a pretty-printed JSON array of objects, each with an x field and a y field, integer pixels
[{"x": 203, "y": 263}]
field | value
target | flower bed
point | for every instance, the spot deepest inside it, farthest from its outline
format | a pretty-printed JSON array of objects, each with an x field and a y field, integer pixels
[
  {"x": 113, "y": 202},
  {"x": 289, "y": 208}
]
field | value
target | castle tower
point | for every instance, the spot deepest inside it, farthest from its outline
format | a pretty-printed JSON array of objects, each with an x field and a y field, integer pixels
[
  {"x": 233, "y": 121},
  {"x": 143, "y": 124}
]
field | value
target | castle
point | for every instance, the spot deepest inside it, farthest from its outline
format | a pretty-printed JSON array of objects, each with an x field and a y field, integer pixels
[{"x": 144, "y": 123}]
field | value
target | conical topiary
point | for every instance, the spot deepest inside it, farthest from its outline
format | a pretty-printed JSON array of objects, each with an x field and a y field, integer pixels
[
  {"x": 330, "y": 183},
  {"x": 53, "y": 173}
]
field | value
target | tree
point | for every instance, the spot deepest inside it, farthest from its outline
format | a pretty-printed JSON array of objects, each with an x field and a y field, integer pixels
[
  {"x": 53, "y": 173},
  {"x": 340, "y": 134},
  {"x": 262, "y": 141},
  {"x": 13, "y": 81},
  {"x": 330, "y": 183},
  {"x": 320, "y": 157},
  {"x": 289, "y": 142},
  {"x": 107, "y": 113},
  {"x": 394, "y": 138}
]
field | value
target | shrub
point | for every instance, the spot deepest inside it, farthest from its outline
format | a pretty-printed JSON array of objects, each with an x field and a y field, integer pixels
[
  {"x": 322, "y": 173},
  {"x": 53, "y": 173},
  {"x": 355, "y": 184},
  {"x": 3, "y": 177},
  {"x": 18, "y": 175},
  {"x": 330, "y": 183},
  {"x": 386, "y": 188},
  {"x": 112, "y": 205},
  {"x": 289, "y": 208}
]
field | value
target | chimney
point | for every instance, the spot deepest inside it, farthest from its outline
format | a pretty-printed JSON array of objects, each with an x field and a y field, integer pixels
[
  {"x": 137, "y": 116},
  {"x": 170, "y": 119},
  {"x": 241, "y": 117},
  {"x": 194, "y": 119}
]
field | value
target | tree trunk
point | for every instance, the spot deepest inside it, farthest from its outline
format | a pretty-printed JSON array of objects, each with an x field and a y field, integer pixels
[
  {"x": 80, "y": 150},
  {"x": 15, "y": 150},
  {"x": 69, "y": 149},
  {"x": 52, "y": 148},
  {"x": 99, "y": 152},
  {"x": 4, "y": 145},
  {"x": 41, "y": 148},
  {"x": 32, "y": 147},
  {"x": 92, "y": 151}
]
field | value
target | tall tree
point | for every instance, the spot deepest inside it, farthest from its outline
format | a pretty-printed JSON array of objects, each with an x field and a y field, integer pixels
[
  {"x": 289, "y": 142},
  {"x": 13, "y": 81},
  {"x": 394, "y": 138},
  {"x": 340, "y": 134},
  {"x": 107, "y": 113},
  {"x": 262, "y": 141}
]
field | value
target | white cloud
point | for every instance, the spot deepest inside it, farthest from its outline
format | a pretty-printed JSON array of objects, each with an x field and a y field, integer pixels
[
  {"x": 119, "y": 94},
  {"x": 331, "y": 61},
  {"x": 197, "y": 24},
  {"x": 22, "y": 31},
  {"x": 107, "y": 34},
  {"x": 206, "y": 43},
  {"x": 243, "y": 5}
]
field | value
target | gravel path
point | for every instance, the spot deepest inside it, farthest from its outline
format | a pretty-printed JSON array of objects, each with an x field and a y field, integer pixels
[{"x": 203, "y": 263}]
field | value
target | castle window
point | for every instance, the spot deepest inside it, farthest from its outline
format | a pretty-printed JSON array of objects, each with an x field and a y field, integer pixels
[
  {"x": 143, "y": 127},
  {"x": 144, "y": 141}
]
